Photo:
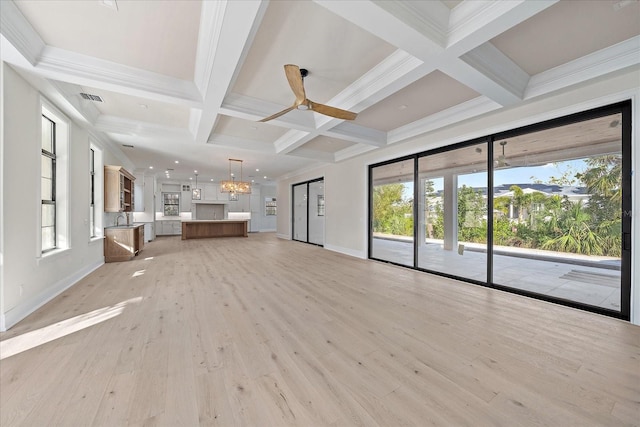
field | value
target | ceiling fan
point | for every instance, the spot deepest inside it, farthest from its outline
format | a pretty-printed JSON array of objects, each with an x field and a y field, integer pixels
[
  {"x": 502, "y": 160},
  {"x": 295, "y": 76}
]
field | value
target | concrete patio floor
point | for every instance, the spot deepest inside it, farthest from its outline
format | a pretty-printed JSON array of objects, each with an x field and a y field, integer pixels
[{"x": 587, "y": 280}]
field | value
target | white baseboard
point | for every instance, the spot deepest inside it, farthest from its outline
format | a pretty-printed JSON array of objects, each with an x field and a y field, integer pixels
[
  {"x": 268, "y": 230},
  {"x": 25, "y": 308},
  {"x": 283, "y": 236},
  {"x": 346, "y": 251}
]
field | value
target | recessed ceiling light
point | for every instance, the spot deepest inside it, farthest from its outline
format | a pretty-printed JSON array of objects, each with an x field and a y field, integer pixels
[
  {"x": 150, "y": 167},
  {"x": 177, "y": 161},
  {"x": 257, "y": 170},
  {"x": 211, "y": 179},
  {"x": 143, "y": 106},
  {"x": 190, "y": 179},
  {"x": 195, "y": 171},
  {"x": 265, "y": 177}
]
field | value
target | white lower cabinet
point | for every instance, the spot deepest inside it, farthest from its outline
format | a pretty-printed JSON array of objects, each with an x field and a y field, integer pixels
[{"x": 168, "y": 228}]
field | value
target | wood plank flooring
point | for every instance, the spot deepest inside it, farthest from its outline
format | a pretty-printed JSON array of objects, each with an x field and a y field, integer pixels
[{"x": 260, "y": 331}]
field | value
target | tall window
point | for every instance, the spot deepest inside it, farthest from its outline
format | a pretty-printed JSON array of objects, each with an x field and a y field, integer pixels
[
  {"x": 48, "y": 184},
  {"x": 92, "y": 195}
]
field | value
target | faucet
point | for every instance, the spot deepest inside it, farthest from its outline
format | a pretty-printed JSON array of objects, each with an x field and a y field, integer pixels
[{"x": 120, "y": 216}]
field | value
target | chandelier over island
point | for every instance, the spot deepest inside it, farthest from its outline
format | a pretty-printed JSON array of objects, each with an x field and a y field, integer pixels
[{"x": 232, "y": 186}]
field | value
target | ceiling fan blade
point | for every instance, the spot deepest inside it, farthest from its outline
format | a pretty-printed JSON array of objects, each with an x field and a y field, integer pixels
[
  {"x": 295, "y": 81},
  {"x": 332, "y": 111},
  {"x": 276, "y": 115}
]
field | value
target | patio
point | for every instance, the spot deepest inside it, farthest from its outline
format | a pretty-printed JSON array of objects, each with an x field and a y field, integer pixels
[{"x": 588, "y": 280}]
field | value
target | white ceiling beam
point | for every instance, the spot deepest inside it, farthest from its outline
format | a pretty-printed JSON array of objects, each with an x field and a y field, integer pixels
[
  {"x": 64, "y": 65},
  {"x": 241, "y": 143},
  {"x": 353, "y": 151},
  {"x": 292, "y": 140},
  {"x": 59, "y": 64},
  {"x": 476, "y": 71},
  {"x": 499, "y": 68},
  {"x": 253, "y": 109},
  {"x": 120, "y": 125},
  {"x": 349, "y": 131},
  {"x": 394, "y": 23},
  {"x": 417, "y": 29},
  {"x": 236, "y": 32},
  {"x": 321, "y": 156},
  {"x": 472, "y": 23},
  {"x": 455, "y": 114},
  {"x": 19, "y": 32}
]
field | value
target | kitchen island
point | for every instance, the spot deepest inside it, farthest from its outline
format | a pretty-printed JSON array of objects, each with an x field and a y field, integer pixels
[
  {"x": 123, "y": 242},
  {"x": 200, "y": 229}
]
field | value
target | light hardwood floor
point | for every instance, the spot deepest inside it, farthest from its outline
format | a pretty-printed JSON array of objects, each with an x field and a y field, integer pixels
[{"x": 260, "y": 331}]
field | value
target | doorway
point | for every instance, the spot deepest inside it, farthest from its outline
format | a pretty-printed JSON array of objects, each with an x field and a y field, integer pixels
[{"x": 308, "y": 212}]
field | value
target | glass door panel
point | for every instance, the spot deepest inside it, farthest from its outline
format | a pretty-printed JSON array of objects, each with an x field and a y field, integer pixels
[
  {"x": 392, "y": 212},
  {"x": 300, "y": 212},
  {"x": 558, "y": 212},
  {"x": 452, "y": 232},
  {"x": 316, "y": 212}
]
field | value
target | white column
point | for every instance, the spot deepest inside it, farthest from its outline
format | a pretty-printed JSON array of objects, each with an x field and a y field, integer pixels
[{"x": 450, "y": 208}]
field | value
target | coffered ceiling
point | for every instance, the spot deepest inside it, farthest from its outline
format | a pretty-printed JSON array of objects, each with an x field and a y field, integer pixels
[{"x": 189, "y": 80}]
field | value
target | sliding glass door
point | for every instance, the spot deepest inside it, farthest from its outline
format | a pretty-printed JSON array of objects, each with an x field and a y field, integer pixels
[
  {"x": 558, "y": 212},
  {"x": 309, "y": 212},
  {"x": 543, "y": 211},
  {"x": 392, "y": 212},
  {"x": 452, "y": 235}
]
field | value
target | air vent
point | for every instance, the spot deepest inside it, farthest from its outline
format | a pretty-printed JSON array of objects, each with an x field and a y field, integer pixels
[
  {"x": 90, "y": 97},
  {"x": 127, "y": 145},
  {"x": 169, "y": 169}
]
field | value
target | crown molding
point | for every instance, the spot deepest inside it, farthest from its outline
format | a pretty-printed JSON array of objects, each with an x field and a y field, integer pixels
[
  {"x": 19, "y": 32},
  {"x": 605, "y": 61},
  {"x": 65, "y": 65}
]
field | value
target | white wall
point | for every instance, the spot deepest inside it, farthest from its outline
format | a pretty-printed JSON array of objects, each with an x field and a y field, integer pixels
[
  {"x": 346, "y": 182},
  {"x": 29, "y": 280}
]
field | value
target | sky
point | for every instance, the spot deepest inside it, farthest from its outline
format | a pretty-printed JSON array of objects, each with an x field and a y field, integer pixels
[{"x": 515, "y": 175}]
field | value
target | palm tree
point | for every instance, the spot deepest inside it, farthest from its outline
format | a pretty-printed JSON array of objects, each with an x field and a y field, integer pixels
[{"x": 578, "y": 237}]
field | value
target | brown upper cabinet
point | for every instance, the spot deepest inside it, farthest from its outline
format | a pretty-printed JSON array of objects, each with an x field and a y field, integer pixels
[{"x": 118, "y": 189}]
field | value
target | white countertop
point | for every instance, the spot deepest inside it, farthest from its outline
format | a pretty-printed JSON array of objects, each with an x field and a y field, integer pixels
[{"x": 215, "y": 220}]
